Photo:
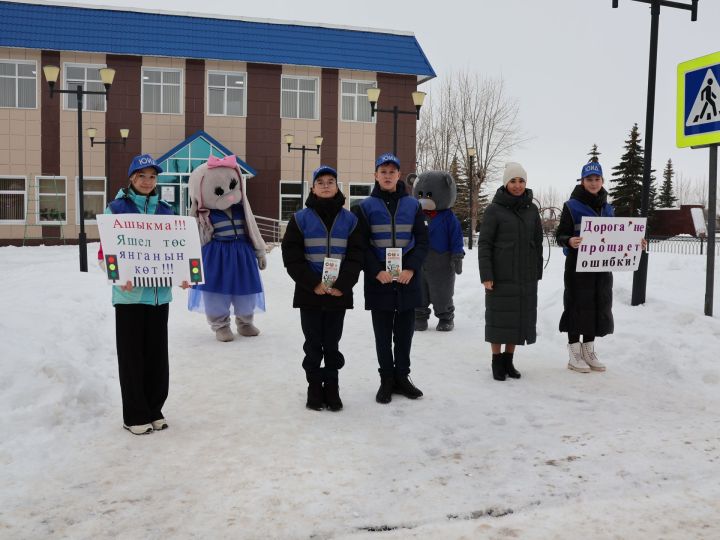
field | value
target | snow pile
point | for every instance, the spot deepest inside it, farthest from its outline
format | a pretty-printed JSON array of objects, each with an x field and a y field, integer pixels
[{"x": 631, "y": 453}]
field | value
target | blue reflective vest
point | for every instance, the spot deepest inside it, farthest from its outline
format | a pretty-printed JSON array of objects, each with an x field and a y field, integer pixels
[
  {"x": 226, "y": 229},
  {"x": 390, "y": 231},
  {"x": 579, "y": 209},
  {"x": 319, "y": 243}
]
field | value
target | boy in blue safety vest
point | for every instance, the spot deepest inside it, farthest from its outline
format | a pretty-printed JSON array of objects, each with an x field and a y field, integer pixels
[
  {"x": 390, "y": 220},
  {"x": 323, "y": 253}
]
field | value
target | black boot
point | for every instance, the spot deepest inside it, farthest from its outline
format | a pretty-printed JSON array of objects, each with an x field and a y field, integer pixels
[
  {"x": 404, "y": 386},
  {"x": 384, "y": 393},
  {"x": 445, "y": 325},
  {"x": 315, "y": 398},
  {"x": 498, "y": 367},
  {"x": 509, "y": 368},
  {"x": 332, "y": 396},
  {"x": 421, "y": 325}
]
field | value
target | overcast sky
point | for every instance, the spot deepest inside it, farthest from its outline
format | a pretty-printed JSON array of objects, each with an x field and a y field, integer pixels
[{"x": 578, "y": 68}]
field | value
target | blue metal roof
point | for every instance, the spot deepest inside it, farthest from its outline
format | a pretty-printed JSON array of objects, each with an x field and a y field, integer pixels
[{"x": 65, "y": 28}]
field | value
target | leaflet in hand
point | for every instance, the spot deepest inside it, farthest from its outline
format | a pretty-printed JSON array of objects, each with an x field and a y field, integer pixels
[
  {"x": 331, "y": 270},
  {"x": 393, "y": 262}
]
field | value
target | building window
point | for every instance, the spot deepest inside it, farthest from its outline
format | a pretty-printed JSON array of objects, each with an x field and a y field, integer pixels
[
  {"x": 52, "y": 198},
  {"x": 17, "y": 84},
  {"x": 355, "y": 104},
  {"x": 87, "y": 76},
  {"x": 290, "y": 199},
  {"x": 161, "y": 90},
  {"x": 299, "y": 97},
  {"x": 358, "y": 192},
  {"x": 226, "y": 93},
  {"x": 12, "y": 199},
  {"x": 94, "y": 200}
]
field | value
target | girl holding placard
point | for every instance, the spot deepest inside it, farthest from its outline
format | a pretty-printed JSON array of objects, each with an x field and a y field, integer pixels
[{"x": 588, "y": 296}]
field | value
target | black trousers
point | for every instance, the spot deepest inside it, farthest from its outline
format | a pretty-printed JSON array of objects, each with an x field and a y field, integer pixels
[
  {"x": 142, "y": 347},
  {"x": 393, "y": 327},
  {"x": 575, "y": 338},
  {"x": 323, "y": 330}
]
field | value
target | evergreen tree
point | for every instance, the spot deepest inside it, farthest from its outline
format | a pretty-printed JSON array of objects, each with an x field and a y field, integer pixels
[
  {"x": 594, "y": 154},
  {"x": 627, "y": 191},
  {"x": 462, "y": 203},
  {"x": 666, "y": 198},
  {"x": 482, "y": 204}
]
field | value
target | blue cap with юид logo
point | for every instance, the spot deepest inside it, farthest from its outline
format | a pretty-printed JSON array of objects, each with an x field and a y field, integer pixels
[
  {"x": 387, "y": 157},
  {"x": 324, "y": 169},
  {"x": 592, "y": 167},
  {"x": 141, "y": 162}
]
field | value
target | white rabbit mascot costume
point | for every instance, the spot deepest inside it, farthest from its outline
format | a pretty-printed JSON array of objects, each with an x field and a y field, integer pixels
[{"x": 232, "y": 249}]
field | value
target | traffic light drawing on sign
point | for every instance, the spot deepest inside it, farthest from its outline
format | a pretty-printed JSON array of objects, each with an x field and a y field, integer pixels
[
  {"x": 112, "y": 268},
  {"x": 195, "y": 271}
]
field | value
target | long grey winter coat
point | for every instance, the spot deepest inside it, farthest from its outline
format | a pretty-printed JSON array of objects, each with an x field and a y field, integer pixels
[{"x": 510, "y": 251}]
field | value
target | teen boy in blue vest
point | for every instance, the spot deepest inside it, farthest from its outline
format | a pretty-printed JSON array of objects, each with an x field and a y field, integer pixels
[
  {"x": 391, "y": 218},
  {"x": 141, "y": 315},
  {"x": 323, "y": 229}
]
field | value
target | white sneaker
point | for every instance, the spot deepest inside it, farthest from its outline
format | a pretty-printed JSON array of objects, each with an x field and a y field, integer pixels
[
  {"x": 159, "y": 425},
  {"x": 142, "y": 429},
  {"x": 576, "y": 362},
  {"x": 591, "y": 359}
]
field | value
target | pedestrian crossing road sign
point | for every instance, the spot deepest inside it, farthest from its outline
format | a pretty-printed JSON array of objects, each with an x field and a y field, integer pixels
[{"x": 698, "y": 102}]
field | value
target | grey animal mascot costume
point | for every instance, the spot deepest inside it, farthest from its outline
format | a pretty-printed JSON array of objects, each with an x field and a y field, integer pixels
[
  {"x": 232, "y": 249},
  {"x": 437, "y": 193}
]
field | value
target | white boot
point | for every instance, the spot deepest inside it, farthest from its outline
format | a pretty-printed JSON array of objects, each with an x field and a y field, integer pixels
[
  {"x": 224, "y": 334},
  {"x": 591, "y": 359},
  {"x": 245, "y": 326},
  {"x": 576, "y": 362}
]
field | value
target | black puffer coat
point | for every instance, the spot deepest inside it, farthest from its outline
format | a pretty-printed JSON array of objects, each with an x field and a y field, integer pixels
[
  {"x": 393, "y": 296},
  {"x": 588, "y": 295},
  {"x": 510, "y": 255},
  {"x": 306, "y": 279}
]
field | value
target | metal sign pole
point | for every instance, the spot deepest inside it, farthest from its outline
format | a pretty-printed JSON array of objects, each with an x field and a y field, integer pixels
[{"x": 712, "y": 198}]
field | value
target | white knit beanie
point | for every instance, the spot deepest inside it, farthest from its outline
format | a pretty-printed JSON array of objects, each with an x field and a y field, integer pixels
[{"x": 513, "y": 170}]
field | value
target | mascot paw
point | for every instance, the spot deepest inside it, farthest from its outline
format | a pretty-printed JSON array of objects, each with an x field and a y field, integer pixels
[
  {"x": 456, "y": 265},
  {"x": 262, "y": 259}
]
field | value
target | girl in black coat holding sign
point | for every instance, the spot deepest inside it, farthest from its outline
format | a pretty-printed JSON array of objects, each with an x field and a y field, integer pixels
[
  {"x": 511, "y": 263},
  {"x": 587, "y": 299}
]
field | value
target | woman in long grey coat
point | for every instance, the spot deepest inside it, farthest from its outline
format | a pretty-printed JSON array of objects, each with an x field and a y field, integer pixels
[{"x": 511, "y": 262}]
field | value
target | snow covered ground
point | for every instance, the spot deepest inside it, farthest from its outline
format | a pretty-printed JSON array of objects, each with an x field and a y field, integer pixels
[{"x": 631, "y": 453}]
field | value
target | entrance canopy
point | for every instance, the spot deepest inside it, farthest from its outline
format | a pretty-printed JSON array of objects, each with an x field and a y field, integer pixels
[{"x": 178, "y": 163}]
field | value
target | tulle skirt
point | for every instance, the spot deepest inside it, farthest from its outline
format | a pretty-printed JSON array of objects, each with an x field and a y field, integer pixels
[{"x": 232, "y": 278}]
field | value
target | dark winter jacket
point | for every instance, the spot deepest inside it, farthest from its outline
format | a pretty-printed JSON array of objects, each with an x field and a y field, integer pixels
[
  {"x": 587, "y": 299},
  {"x": 306, "y": 279},
  {"x": 510, "y": 255},
  {"x": 445, "y": 232},
  {"x": 393, "y": 296}
]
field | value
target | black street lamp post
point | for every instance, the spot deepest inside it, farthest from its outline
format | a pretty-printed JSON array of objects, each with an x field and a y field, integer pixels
[
  {"x": 107, "y": 75},
  {"x": 289, "y": 139},
  {"x": 373, "y": 95},
  {"x": 473, "y": 198},
  {"x": 124, "y": 134},
  {"x": 640, "y": 275}
]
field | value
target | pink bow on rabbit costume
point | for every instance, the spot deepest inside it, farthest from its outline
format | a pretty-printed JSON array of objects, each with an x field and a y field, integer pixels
[{"x": 211, "y": 187}]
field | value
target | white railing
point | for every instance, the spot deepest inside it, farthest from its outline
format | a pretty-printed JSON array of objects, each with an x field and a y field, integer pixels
[{"x": 272, "y": 230}]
